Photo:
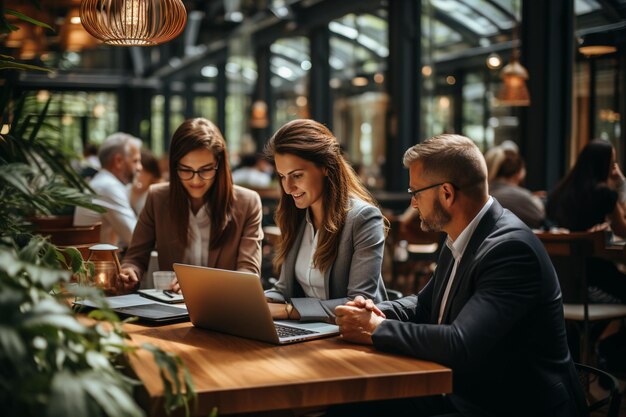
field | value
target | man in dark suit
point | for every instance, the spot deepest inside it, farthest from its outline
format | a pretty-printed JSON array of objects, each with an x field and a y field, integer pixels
[{"x": 492, "y": 311}]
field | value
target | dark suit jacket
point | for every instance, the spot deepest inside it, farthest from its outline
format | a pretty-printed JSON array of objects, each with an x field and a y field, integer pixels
[
  {"x": 241, "y": 250},
  {"x": 502, "y": 331}
]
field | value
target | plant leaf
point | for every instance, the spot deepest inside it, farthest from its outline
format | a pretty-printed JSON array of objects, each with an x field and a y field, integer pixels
[
  {"x": 4, "y": 65},
  {"x": 12, "y": 344},
  {"x": 27, "y": 19},
  {"x": 68, "y": 396}
]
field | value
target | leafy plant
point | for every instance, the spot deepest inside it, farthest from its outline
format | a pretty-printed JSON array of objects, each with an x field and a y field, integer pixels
[
  {"x": 6, "y": 61},
  {"x": 52, "y": 361},
  {"x": 26, "y": 192}
]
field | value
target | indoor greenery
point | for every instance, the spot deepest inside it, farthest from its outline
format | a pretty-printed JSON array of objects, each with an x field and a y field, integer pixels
[{"x": 53, "y": 361}]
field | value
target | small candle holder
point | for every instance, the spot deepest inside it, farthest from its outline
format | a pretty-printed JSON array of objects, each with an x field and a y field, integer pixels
[{"x": 107, "y": 267}]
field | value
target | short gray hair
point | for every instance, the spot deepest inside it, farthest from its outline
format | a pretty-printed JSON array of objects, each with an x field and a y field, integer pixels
[
  {"x": 451, "y": 158},
  {"x": 116, "y": 143}
]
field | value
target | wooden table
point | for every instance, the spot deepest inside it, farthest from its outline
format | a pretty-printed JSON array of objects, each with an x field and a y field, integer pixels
[{"x": 238, "y": 375}]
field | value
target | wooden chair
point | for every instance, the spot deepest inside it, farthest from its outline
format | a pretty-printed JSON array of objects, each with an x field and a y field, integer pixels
[
  {"x": 414, "y": 253},
  {"x": 601, "y": 390},
  {"x": 569, "y": 253}
]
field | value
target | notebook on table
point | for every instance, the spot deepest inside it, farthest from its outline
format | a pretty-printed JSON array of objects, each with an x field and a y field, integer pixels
[
  {"x": 133, "y": 305},
  {"x": 163, "y": 296},
  {"x": 233, "y": 302}
]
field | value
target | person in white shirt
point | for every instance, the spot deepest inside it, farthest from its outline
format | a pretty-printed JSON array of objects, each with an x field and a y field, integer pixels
[
  {"x": 120, "y": 156},
  {"x": 492, "y": 311}
]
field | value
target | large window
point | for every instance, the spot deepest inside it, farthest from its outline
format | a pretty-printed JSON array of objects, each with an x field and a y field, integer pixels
[
  {"x": 241, "y": 75},
  {"x": 358, "y": 59},
  {"x": 289, "y": 64},
  {"x": 461, "y": 65},
  {"x": 80, "y": 117}
]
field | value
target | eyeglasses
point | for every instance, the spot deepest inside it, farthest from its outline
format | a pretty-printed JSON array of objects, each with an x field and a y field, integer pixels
[
  {"x": 187, "y": 174},
  {"x": 414, "y": 193}
]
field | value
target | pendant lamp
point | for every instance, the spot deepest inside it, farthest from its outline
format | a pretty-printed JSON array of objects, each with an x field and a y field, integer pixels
[
  {"x": 514, "y": 91},
  {"x": 514, "y": 75},
  {"x": 133, "y": 22},
  {"x": 595, "y": 44}
]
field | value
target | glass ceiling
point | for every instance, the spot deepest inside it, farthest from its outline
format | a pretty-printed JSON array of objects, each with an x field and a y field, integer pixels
[{"x": 449, "y": 26}]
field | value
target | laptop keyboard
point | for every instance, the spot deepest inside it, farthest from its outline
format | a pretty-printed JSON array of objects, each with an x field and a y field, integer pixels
[{"x": 286, "y": 331}]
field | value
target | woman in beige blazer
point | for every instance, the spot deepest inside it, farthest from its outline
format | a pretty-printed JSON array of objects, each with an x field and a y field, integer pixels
[{"x": 199, "y": 217}]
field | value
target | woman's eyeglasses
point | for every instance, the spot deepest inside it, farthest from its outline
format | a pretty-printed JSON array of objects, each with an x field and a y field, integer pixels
[{"x": 187, "y": 174}]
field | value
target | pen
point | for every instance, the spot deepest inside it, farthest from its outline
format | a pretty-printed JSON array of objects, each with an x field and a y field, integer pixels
[{"x": 167, "y": 292}]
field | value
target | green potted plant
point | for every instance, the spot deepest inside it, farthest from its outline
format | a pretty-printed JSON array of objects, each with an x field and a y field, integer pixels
[{"x": 54, "y": 361}]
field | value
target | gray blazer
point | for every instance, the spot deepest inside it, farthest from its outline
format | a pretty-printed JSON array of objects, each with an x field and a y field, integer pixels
[{"x": 356, "y": 270}]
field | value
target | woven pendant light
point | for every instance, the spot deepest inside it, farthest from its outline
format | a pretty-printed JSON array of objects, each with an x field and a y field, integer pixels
[{"x": 133, "y": 22}]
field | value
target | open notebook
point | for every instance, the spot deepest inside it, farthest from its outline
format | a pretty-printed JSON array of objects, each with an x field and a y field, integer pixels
[{"x": 163, "y": 296}]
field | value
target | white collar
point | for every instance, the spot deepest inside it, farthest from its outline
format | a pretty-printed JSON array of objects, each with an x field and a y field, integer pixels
[{"x": 458, "y": 246}]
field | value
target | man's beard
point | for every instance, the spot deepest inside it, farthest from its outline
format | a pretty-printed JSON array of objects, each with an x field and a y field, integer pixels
[{"x": 437, "y": 220}]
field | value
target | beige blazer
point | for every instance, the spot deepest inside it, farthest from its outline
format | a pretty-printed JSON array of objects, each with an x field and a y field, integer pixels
[{"x": 241, "y": 248}]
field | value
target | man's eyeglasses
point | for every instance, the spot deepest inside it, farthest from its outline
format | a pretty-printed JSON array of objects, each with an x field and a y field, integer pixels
[
  {"x": 414, "y": 193},
  {"x": 187, "y": 174}
]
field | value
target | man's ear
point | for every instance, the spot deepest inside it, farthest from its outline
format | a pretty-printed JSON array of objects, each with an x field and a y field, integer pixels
[
  {"x": 118, "y": 160},
  {"x": 448, "y": 192}
]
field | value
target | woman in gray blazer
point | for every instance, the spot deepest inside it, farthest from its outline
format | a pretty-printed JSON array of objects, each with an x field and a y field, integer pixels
[{"x": 332, "y": 230}]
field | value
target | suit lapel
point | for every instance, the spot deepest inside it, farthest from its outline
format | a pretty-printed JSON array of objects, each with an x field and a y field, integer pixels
[
  {"x": 214, "y": 254},
  {"x": 290, "y": 262},
  {"x": 444, "y": 267},
  {"x": 482, "y": 231}
]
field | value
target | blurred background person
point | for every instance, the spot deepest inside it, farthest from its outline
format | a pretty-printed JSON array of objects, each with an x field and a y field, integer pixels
[
  {"x": 495, "y": 155},
  {"x": 506, "y": 187},
  {"x": 120, "y": 157},
  {"x": 591, "y": 197},
  {"x": 150, "y": 174},
  {"x": 253, "y": 172},
  {"x": 90, "y": 164}
]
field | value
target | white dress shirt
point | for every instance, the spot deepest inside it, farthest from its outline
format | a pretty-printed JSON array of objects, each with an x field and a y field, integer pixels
[
  {"x": 457, "y": 247},
  {"x": 197, "y": 251},
  {"x": 119, "y": 221},
  {"x": 310, "y": 278}
]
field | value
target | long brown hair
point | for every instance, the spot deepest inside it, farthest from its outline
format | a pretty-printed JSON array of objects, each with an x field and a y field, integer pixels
[
  {"x": 312, "y": 141},
  {"x": 191, "y": 135}
]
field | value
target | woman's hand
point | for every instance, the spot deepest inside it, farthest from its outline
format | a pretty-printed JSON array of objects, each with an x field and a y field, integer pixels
[
  {"x": 128, "y": 279},
  {"x": 175, "y": 286}
]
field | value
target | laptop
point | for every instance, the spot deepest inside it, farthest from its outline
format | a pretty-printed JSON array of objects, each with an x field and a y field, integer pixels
[{"x": 233, "y": 302}]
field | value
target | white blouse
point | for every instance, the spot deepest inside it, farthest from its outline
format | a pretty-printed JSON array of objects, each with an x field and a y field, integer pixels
[
  {"x": 311, "y": 279},
  {"x": 197, "y": 251}
]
